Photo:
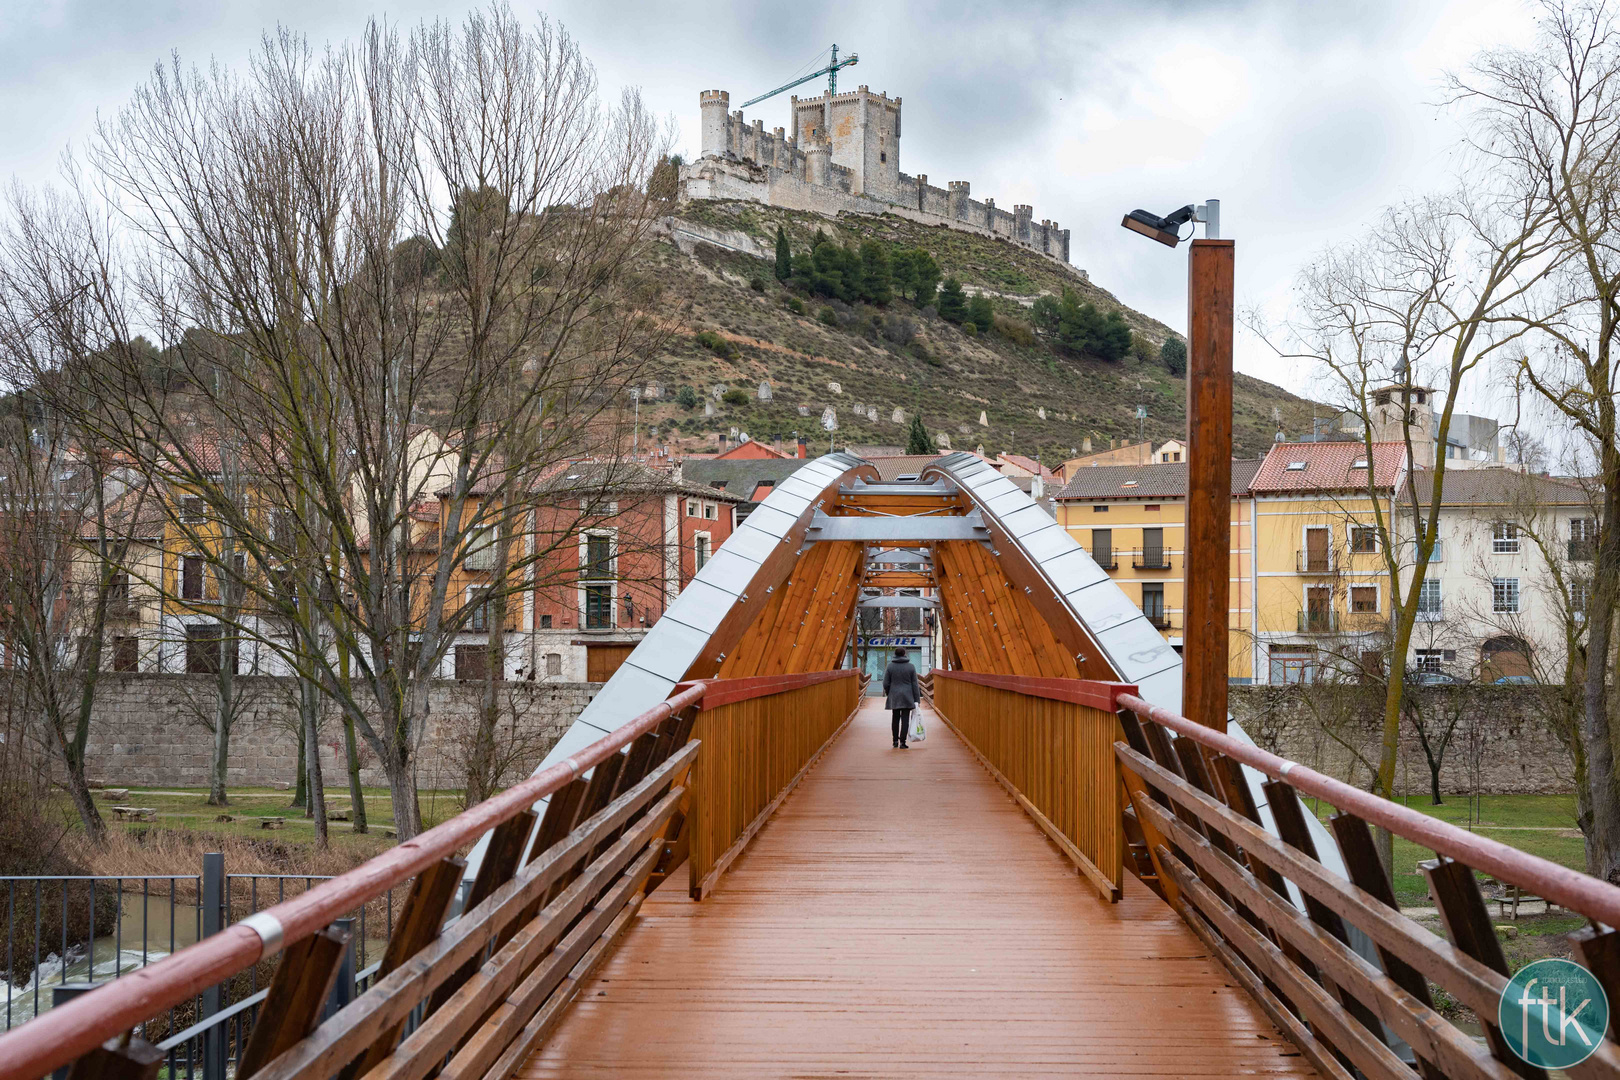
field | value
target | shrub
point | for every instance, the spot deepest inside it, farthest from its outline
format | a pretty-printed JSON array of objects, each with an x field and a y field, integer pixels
[
  {"x": 716, "y": 344},
  {"x": 1174, "y": 354},
  {"x": 1016, "y": 331},
  {"x": 828, "y": 316},
  {"x": 734, "y": 396},
  {"x": 686, "y": 397},
  {"x": 1142, "y": 349},
  {"x": 920, "y": 351},
  {"x": 758, "y": 284},
  {"x": 899, "y": 330},
  {"x": 981, "y": 314},
  {"x": 795, "y": 305}
]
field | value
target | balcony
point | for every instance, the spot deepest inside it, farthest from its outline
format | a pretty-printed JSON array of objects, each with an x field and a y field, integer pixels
[
  {"x": 1159, "y": 620},
  {"x": 1151, "y": 559},
  {"x": 1313, "y": 562},
  {"x": 1318, "y": 621},
  {"x": 1105, "y": 560}
]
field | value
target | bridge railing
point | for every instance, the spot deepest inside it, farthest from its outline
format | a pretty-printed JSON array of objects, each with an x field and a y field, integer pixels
[
  {"x": 471, "y": 994},
  {"x": 1050, "y": 743},
  {"x": 760, "y": 736},
  {"x": 1338, "y": 966}
]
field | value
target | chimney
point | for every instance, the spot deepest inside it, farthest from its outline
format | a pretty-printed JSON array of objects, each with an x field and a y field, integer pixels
[{"x": 804, "y": 451}]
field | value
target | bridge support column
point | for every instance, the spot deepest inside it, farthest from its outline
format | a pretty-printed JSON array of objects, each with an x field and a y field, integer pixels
[{"x": 1208, "y": 556}]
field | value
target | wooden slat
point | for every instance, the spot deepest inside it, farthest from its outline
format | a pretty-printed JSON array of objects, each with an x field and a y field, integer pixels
[
  {"x": 116, "y": 1059},
  {"x": 298, "y": 993},
  {"x": 505, "y": 848},
  {"x": 419, "y": 923}
]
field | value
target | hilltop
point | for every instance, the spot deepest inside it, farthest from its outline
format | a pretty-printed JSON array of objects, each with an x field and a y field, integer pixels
[{"x": 739, "y": 326}]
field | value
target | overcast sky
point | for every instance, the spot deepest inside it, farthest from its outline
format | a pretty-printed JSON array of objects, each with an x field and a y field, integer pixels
[{"x": 1303, "y": 118}]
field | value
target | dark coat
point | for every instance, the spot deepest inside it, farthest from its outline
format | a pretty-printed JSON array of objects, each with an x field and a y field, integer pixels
[{"x": 900, "y": 685}]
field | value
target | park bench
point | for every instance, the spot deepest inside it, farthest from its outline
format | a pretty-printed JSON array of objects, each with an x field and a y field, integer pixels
[
  {"x": 134, "y": 813},
  {"x": 1513, "y": 896},
  {"x": 272, "y": 822}
]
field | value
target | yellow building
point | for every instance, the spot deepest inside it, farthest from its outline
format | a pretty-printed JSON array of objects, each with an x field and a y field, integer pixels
[
  {"x": 1321, "y": 593},
  {"x": 1132, "y": 519}
]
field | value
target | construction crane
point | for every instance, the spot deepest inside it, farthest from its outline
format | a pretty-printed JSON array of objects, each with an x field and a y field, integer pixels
[{"x": 831, "y": 71}]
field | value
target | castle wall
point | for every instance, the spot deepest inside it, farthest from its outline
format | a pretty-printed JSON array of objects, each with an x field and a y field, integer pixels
[{"x": 847, "y": 146}]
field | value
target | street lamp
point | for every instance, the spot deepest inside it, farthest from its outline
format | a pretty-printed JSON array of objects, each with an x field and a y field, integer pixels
[{"x": 1208, "y": 534}]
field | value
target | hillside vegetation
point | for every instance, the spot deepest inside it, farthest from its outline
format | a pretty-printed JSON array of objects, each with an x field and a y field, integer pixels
[{"x": 740, "y": 326}]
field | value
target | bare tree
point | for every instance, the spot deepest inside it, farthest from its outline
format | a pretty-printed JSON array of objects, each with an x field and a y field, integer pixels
[
  {"x": 1548, "y": 123},
  {"x": 1423, "y": 298}
]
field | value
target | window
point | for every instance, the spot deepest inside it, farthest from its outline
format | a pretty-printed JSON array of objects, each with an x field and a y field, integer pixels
[
  {"x": 1580, "y": 599},
  {"x": 191, "y": 578},
  {"x": 1153, "y": 604},
  {"x": 1359, "y": 463},
  {"x": 701, "y": 554},
  {"x": 208, "y": 650},
  {"x": 1102, "y": 547},
  {"x": 545, "y": 622},
  {"x": 1429, "y": 599},
  {"x": 908, "y": 620},
  {"x": 1151, "y": 508},
  {"x": 191, "y": 509},
  {"x": 691, "y": 508},
  {"x": 126, "y": 653},
  {"x": 118, "y": 587},
  {"x": 598, "y": 557},
  {"x": 1099, "y": 509},
  {"x": 472, "y": 662},
  {"x": 479, "y": 621},
  {"x": 1153, "y": 547},
  {"x": 553, "y": 664},
  {"x": 1363, "y": 539},
  {"x": 711, "y": 511},
  {"x": 1364, "y": 598},
  {"x": 1317, "y": 558},
  {"x": 1504, "y": 539},
  {"x": 1582, "y": 539},
  {"x": 1169, "y": 456},
  {"x": 1290, "y": 666},
  {"x": 1505, "y": 594},
  {"x": 1439, "y": 552},
  {"x": 599, "y": 607},
  {"x": 1429, "y": 660},
  {"x": 1295, "y": 466}
]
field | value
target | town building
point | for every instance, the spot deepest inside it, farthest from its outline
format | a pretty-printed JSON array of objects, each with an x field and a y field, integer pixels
[{"x": 1132, "y": 519}]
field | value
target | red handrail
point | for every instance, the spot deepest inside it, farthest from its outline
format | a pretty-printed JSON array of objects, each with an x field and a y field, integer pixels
[
  {"x": 1092, "y": 692},
  {"x": 74, "y": 1028},
  {"x": 1578, "y": 892},
  {"x": 730, "y": 691}
]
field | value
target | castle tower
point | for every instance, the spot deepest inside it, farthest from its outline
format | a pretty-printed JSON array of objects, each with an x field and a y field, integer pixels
[
  {"x": 1023, "y": 217},
  {"x": 864, "y": 129},
  {"x": 714, "y": 105},
  {"x": 959, "y": 190},
  {"x": 990, "y": 214},
  {"x": 818, "y": 159}
]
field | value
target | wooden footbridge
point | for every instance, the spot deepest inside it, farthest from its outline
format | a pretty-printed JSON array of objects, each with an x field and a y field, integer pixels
[{"x": 725, "y": 869}]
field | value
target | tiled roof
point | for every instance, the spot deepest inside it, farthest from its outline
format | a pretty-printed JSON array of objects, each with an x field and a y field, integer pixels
[
  {"x": 1146, "y": 481},
  {"x": 1028, "y": 464},
  {"x": 1326, "y": 466},
  {"x": 1499, "y": 487},
  {"x": 893, "y": 468},
  {"x": 741, "y": 476}
]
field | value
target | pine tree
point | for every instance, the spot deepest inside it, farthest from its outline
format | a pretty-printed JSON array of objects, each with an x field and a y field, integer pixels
[
  {"x": 952, "y": 302},
  {"x": 919, "y": 441},
  {"x": 784, "y": 256},
  {"x": 981, "y": 314},
  {"x": 903, "y": 272},
  {"x": 925, "y": 273},
  {"x": 1174, "y": 354},
  {"x": 875, "y": 277}
]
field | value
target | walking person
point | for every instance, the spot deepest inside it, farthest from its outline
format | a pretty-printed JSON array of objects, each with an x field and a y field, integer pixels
[{"x": 901, "y": 694}]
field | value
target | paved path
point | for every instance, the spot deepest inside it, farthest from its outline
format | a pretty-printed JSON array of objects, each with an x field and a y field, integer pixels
[{"x": 900, "y": 916}]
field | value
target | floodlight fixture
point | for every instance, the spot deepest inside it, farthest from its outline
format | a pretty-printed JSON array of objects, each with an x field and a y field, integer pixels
[{"x": 1167, "y": 230}]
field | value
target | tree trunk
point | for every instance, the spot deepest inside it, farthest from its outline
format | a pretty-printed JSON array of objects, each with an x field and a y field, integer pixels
[
  {"x": 223, "y": 716},
  {"x": 309, "y": 706},
  {"x": 301, "y": 789},
  {"x": 402, "y": 792},
  {"x": 79, "y": 789},
  {"x": 1603, "y": 786},
  {"x": 357, "y": 795}
]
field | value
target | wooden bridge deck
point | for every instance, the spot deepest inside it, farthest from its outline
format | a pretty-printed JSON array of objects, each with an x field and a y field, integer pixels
[{"x": 901, "y": 916}]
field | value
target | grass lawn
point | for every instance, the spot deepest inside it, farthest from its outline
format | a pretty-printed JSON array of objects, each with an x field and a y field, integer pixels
[
  {"x": 1542, "y": 825},
  {"x": 187, "y": 809}
]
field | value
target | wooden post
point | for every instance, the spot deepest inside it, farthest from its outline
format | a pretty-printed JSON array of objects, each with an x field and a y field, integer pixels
[{"x": 1207, "y": 556}]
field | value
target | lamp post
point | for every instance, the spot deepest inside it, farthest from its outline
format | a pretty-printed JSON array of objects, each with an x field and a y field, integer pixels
[{"x": 1207, "y": 547}]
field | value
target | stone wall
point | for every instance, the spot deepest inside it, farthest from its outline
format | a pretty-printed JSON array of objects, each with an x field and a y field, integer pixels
[
  {"x": 1502, "y": 744},
  {"x": 147, "y": 730}
]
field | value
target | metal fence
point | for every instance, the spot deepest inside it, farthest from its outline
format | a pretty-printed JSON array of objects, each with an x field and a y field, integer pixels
[{"x": 66, "y": 935}]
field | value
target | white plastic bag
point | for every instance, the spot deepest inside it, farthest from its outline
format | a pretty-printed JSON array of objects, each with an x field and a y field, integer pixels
[{"x": 917, "y": 732}]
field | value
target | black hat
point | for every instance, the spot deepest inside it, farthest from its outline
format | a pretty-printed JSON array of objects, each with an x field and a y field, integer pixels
[{"x": 899, "y": 654}]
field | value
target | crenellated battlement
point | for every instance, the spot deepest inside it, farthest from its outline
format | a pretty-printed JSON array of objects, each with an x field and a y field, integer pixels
[{"x": 843, "y": 147}]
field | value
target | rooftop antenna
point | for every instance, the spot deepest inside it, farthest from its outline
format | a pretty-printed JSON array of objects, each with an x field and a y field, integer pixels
[{"x": 831, "y": 71}]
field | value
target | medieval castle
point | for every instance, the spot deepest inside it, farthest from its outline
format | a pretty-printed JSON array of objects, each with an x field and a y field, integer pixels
[{"x": 843, "y": 154}]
